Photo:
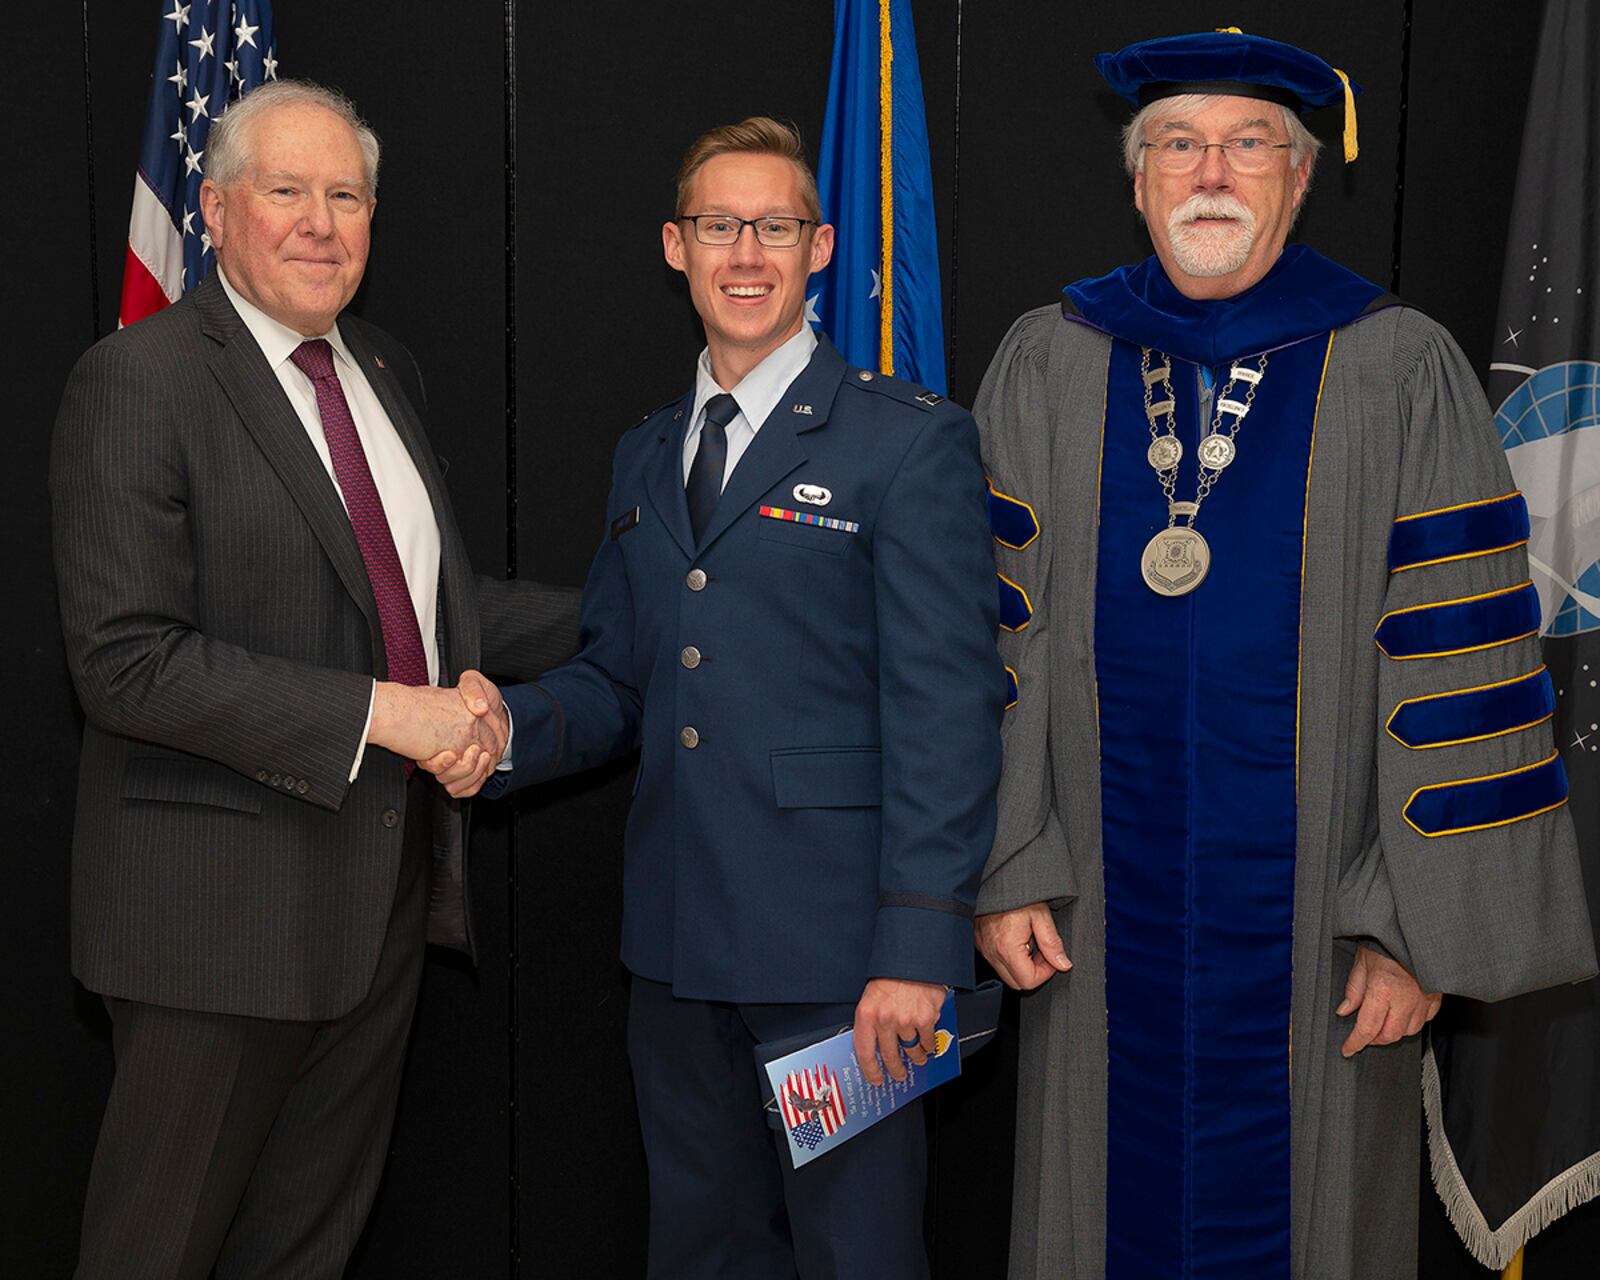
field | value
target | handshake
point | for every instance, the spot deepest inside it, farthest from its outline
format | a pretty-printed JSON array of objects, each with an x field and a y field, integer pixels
[{"x": 456, "y": 734}]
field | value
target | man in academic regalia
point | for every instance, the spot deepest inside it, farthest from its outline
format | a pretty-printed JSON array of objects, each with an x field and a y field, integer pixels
[{"x": 1278, "y": 770}]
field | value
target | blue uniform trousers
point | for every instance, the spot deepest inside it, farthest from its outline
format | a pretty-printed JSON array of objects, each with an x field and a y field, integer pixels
[{"x": 724, "y": 1198}]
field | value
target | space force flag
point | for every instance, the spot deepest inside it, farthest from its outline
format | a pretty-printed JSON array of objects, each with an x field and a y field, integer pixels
[
  {"x": 1510, "y": 1088},
  {"x": 879, "y": 299},
  {"x": 209, "y": 52}
]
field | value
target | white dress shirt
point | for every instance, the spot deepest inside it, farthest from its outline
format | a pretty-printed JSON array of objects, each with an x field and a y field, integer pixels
[
  {"x": 757, "y": 395},
  {"x": 405, "y": 499}
]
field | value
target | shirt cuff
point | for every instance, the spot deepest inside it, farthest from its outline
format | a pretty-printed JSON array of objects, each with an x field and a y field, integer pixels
[
  {"x": 361, "y": 747},
  {"x": 505, "y": 756}
]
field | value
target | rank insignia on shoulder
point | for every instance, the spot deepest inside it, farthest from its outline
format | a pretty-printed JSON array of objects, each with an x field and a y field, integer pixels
[
  {"x": 623, "y": 523},
  {"x": 930, "y": 398}
]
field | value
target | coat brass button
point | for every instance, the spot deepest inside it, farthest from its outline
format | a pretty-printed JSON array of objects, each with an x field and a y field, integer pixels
[
  {"x": 690, "y": 657},
  {"x": 696, "y": 580},
  {"x": 689, "y": 736}
]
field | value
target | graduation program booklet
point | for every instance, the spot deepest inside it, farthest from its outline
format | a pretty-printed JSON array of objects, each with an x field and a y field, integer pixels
[{"x": 824, "y": 1100}]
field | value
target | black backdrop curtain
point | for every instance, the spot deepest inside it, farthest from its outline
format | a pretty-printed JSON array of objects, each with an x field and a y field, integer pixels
[{"x": 543, "y": 337}]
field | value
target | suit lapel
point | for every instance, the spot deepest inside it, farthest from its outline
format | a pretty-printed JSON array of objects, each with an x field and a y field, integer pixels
[
  {"x": 266, "y": 413},
  {"x": 664, "y": 478},
  {"x": 777, "y": 448}
]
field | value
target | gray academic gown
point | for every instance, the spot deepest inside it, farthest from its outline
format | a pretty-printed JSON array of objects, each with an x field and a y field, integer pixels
[{"x": 1402, "y": 428}]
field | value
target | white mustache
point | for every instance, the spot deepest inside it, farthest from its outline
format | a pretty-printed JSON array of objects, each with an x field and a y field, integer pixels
[{"x": 1210, "y": 205}]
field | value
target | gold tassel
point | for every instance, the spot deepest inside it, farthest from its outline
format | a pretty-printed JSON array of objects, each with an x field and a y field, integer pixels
[
  {"x": 1514, "y": 1270},
  {"x": 1351, "y": 150}
]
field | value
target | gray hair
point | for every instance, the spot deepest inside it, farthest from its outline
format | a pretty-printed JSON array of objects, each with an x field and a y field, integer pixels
[
  {"x": 228, "y": 154},
  {"x": 1302, "y": 142}
]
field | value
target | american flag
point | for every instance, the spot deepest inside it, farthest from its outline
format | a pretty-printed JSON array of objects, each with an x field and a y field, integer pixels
[
  {"x": 812, "y": 1097},
  {"x": 210, "y": 52}
]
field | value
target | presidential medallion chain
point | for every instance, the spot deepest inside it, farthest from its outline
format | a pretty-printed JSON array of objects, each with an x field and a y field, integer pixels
[{"x": 1176, "y": 559}]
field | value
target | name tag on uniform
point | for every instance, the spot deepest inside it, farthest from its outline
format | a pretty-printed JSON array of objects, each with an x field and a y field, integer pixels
[
  {"x": 623, "y": 523},
  {"x": 808, "y": 517}
]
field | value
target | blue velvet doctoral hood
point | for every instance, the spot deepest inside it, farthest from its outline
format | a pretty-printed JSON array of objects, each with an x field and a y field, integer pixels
[{"x": 1303, "y": 294}]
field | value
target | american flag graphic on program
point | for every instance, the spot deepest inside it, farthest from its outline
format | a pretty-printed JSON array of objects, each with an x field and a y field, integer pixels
[
  {"x": 813, "y": 1095},
  {"x": 209, "y": 52}
]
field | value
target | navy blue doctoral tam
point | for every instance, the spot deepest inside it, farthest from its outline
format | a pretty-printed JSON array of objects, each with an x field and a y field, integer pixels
[{"x": 1228, "y": 61}]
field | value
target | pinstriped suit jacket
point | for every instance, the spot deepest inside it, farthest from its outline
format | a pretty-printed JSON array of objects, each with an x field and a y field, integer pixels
[{"x": 223, "y": 637}]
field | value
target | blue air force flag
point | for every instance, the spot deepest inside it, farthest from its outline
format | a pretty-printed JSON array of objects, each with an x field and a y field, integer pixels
[{"x": 879, "y": 299}]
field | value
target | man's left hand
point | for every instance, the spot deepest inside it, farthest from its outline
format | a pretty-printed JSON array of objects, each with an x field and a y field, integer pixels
[
  {"x": 1388, "y": 1002},
  {"x": 895, "y": 1016}
]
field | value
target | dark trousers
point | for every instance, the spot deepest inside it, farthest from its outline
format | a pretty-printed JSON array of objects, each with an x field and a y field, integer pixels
[
  {"x": 724, "y": 1199},
  {"x": 248, "y": 1143}
]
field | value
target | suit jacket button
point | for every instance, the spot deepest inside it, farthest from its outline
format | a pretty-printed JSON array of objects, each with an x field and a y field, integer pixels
[
  {"x": 689, "y": 736},
  {"x": 696, "y": 580},
  {"x": 391, "y": 818},
  {"x": 302, "y": 786},
  {"x": 276, "y": 779},
  {"x": 690, "y": 657},
  {"x": 288, "y": 782},
  {"x": 261, "y": 775}
]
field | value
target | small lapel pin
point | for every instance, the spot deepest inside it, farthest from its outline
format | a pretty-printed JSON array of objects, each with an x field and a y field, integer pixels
[
  {"x": 805, "y": 409},
  {"x": 381, "y": 364},
  {"x": 816, "y": 494}
]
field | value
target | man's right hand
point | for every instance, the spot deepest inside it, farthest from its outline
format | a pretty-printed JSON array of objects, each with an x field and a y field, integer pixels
[
  {"x": 421, "y": 722},
  {"x": 1004, "y": 938}
]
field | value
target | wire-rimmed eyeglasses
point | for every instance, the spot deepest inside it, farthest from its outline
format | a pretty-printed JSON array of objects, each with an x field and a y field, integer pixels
[{"x": 1245, "y": 155}]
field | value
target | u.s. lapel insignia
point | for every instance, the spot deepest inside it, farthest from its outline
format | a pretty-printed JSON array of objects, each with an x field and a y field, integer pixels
[
  {"x": 815, "y": 494},
  {"x": 804, "y": 410}
]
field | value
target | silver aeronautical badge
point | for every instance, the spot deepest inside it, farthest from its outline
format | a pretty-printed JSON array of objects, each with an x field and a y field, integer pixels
[{"x": 815, "y": 494}]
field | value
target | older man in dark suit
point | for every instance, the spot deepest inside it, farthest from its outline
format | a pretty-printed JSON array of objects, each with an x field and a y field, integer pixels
[{"x": 263, "y": 591}]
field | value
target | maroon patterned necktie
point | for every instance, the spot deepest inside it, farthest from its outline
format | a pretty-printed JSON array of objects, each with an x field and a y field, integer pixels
[{"x": 402, "y": 641}]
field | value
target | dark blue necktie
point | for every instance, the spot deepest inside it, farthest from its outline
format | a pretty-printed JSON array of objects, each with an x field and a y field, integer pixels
[{"x": 705, "y": 472}]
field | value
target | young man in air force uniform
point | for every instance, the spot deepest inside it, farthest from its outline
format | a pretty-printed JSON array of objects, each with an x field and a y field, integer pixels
[{"x": 792, "y": 612}]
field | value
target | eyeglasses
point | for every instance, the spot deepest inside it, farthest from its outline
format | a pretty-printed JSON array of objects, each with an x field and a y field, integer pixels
[
  {"x": 1244, "y": 155},
  {"x": 724, "y": 229}
]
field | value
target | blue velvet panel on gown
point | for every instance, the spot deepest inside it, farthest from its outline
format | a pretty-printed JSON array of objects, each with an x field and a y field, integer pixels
[{"x": 1198, "y": 704}]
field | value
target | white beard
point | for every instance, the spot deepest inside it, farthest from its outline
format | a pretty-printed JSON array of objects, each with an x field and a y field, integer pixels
[{"x": 1205, "y": 249}]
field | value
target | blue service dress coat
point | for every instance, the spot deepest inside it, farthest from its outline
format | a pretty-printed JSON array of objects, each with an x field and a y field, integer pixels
[{"x": 814, "y": 688}]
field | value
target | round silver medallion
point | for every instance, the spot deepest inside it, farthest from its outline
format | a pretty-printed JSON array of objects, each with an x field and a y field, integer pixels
[
  {"x": 1164, "y": 452},
  {"x": 1175, "y": 561},
  {"x": 1216, "y": 451}
]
